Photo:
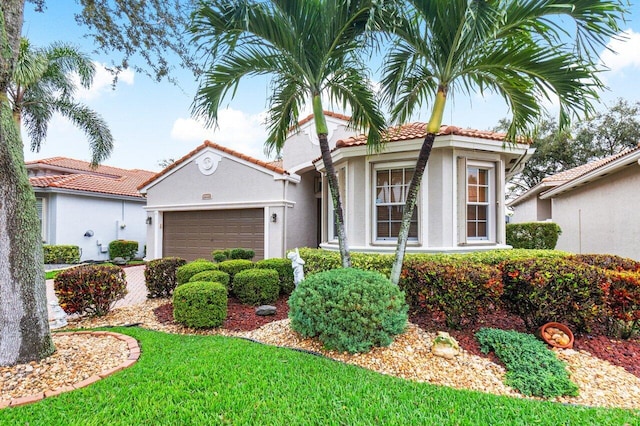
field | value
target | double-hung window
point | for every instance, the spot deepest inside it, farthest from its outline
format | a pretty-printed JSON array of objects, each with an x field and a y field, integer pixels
[
  {"x": 391, "y": 188},
  {"x": 480, "y": 213}
]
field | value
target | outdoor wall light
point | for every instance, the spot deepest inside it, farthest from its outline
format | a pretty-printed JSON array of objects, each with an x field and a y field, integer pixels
[
  {"x": 149, "y": 220},
  {"x": 89, "y": 233},
  {"x": 274, "y": 218}
]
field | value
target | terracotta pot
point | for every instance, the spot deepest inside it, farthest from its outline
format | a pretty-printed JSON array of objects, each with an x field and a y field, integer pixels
[{"x": 560, "y": 327}]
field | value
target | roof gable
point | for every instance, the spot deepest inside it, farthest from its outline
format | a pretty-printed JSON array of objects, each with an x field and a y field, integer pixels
[{"x": 274, "y": 166}]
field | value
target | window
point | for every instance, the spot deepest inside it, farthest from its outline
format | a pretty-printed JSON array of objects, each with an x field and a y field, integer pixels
[
  {"x": 391, "y": 188},
  {"x": 479, "y": 206},
  {"x": 41, "y": 207}
]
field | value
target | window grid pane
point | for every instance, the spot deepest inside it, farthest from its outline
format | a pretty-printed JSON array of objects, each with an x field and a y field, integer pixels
[
  {"x": 392, "y": 185},
  {"x": 477, "y": 202}
]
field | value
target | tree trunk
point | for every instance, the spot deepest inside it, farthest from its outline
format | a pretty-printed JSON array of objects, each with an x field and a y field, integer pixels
[
  {"x": 409, "y": 206},
  {"x": 24, "y": 326},
  {"x": 335, "y": 197}
]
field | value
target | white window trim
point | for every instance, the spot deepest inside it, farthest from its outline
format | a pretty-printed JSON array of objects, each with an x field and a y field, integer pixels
[
  {"x": 44, "y": 222},
  {"x": 389, "y": 165},
  {"x": 491, "y": 201}
]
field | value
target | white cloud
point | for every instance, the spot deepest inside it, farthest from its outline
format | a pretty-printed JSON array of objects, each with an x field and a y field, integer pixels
[
  {"x": 627, "y": 52},
  {"x": 236, "y": 130},
  {"x": 102, "y": 82}
]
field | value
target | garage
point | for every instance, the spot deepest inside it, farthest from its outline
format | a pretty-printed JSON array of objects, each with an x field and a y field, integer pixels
[{"x": 195, "y": 234}]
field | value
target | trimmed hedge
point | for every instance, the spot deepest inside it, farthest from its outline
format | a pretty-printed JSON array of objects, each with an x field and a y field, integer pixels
[
  {"x": 184, "y": 273},
  {"x": 200, "y": 304},
  {"x": 160, "y": 276},
  {"x": 61, "y": 254},
  {"x": 543, "y": 290},
  {"x": 622, "y": 303},
  {"x": 533, "y": 235},
  {"x": 90, "y": 289},
  {"x": 235, "y": 253},
  {"x": 123, "y": 248},
  {"x": 214, "y": 276},
  {"x": 284, "y": 269},
  {"x": 232, "y": 267},
  {"x": 608, "y": 261},
  {"x": 256, "y": 286},
  {"x": 348, "y": 309},
  {"x": 459, "y": 289}
]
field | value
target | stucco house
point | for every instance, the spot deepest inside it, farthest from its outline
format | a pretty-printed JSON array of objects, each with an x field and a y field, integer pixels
[
  {"x": 88, "y": 207},
  {"x": 596, "y": 205},
  {"x": 215, "y": 197}
]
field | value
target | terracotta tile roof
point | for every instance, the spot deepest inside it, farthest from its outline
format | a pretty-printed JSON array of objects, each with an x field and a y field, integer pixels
[
  {"x": 419, "y": 131},
  {"x": 270, "y": 166},
  {"x": 328, "y": 114},
  {"x": 81, "y": 177},
  {"x": 576, "y": 172}
]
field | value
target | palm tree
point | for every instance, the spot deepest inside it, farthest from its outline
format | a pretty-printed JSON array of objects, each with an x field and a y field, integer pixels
[
  {"x": 310, "y": 49},
  {"x": 43, "y": 83},
  {"x": 521, "y": 50}
]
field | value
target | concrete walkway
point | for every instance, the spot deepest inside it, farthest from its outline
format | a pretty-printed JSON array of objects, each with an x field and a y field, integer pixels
[{"x": 137, "y": 290}]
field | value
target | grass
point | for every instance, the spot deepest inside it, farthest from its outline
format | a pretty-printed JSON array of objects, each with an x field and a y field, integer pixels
[{"x": 198, "y": 380}]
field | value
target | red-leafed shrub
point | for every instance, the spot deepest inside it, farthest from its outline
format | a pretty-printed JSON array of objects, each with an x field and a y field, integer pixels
[
  {"x": 160, "y": 276},
  {"x": 545, "y": 290},
  {"x": 458, "y": 289},
  {"x": 90, "y": 290},
  {"x": 608, "y": 261},
  {"x": 622, "y": 302}
]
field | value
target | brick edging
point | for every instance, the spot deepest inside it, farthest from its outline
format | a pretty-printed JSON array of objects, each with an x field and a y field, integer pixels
[{"x": 134, "y": 354}]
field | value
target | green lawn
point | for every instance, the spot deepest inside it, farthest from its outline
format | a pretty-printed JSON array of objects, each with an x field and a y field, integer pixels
[{"x": 202, "y": 380}]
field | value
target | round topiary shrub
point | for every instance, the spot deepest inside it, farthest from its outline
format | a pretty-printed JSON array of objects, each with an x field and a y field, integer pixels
[
  {"x": 232, "y": 267},
  {"x": 256, "y": 286},
  {"x": 90, "y": 289},
  {"x": 213, "y": 276},
  {"x": 285, "y": 272},
  {"x": 348, "y": 309},
  {"x": 200, "y": 304},
  {"x": 184, "y": 273},
  {"x": 160, "y": 276}
]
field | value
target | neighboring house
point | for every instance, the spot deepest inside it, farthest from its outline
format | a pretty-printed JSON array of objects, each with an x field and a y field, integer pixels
[
  {"x": 596, "y": 205},
  {"x": 215, "y": 197},
  {"x": 88, "y": 207}
]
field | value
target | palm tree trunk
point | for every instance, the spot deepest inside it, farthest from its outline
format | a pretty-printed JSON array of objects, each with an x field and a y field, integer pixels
[
  {"x": 24, "y": 328},
  {"x": 409, "y": 206},
  {"x": 337, "y": 201}
]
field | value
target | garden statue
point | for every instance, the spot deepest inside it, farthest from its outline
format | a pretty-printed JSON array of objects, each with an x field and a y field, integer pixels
[
  {"x": 296, "y": 264},
  {"x": 59, "y": 316}
]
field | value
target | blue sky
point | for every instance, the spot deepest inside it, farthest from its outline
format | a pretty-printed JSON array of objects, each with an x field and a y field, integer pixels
[{"x": 151, "y": 121}]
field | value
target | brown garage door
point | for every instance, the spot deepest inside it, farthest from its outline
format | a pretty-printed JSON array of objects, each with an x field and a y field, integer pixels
[{"x": 195, "y": 234}]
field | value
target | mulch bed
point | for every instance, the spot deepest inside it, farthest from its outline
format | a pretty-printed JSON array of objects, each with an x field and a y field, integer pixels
[{"x": 624, "y": 353}]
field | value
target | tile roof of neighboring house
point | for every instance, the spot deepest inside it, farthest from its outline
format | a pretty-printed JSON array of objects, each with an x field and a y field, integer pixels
[
  {"x": 419, "y": 131},
  {"x": 273, "y": 166},
  {"x": 79, "y": 176}
]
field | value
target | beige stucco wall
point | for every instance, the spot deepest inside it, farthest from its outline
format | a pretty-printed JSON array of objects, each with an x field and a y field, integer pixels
[
  {"x": 301, "y": 217},
  {"x": 602, "y": 216},
  {"x": 532, "y": 209}
]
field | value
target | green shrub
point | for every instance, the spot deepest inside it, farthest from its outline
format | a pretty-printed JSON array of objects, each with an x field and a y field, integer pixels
[
  {"x": 61, "y": 254},
  {"x": 459, "y": 289},
  {"x": 348, "y": 309},
  {"x": 122, "y": 248},
  {"x": 160, "y": 276},
  {"x": 608, "y": 261},
  {"x": 232, "y": 267},
  {"x": 285, "y": 272},
  {"x": 532, "y": 368},
  {"x": 90, "y": 289},
  {"x": 533, "y": 235},
  {"x": 318, "y": 260},
  {"x": 622, "y": 303},
  {"x": 373, "y": 262},
  {"x": 256, "y": 286},
  {"x": 241, "y": 253},
  {"x": 200, "y": 304},
  {"x": 561, "y": 290},
  {"x": 214, "y": 276},
  {"x": 220, "y": 255},
  {"x": 184, "y": 273}
]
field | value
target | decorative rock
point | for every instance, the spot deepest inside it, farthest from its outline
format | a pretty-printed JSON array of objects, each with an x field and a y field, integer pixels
[
  {"x": 119, "y": 261},
  {"x": 60, "y": 317},
  {"x": 445, "y": 346},
  {"x": 266, "y": 310}
]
